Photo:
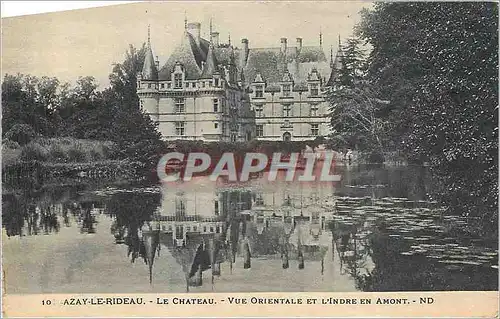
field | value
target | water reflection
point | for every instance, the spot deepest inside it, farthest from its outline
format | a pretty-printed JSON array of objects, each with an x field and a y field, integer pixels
[{"x": 374, "y": 231}]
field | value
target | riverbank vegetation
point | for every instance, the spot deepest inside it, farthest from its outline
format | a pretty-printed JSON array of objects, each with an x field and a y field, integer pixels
[
  {"x": 418, "y": 82},
  {"x": 428, "y": 89},
  {"x": 44, "y": 120}
]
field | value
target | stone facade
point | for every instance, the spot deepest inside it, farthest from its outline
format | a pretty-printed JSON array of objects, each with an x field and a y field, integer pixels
[{"x": 218, "y": 92}]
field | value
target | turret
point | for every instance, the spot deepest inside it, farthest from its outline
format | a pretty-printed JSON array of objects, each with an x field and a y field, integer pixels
[
  {"x": 210, "y": 65},
  {"x": 149, "y": 69},
  {"x": 244, "y": 53}
]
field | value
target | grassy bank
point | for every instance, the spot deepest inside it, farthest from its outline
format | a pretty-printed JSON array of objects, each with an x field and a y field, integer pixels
[
  {"x": 65, "y": 150},
  {"x": 58, "y": 159}
]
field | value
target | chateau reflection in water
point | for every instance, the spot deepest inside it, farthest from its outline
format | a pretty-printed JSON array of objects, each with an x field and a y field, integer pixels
[
  {"x": 372, "y": 232},
  {"x": 203, "y": 225}
]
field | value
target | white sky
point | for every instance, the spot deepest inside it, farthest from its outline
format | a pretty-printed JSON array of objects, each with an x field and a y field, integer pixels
[{"x": 85, "y": 42}]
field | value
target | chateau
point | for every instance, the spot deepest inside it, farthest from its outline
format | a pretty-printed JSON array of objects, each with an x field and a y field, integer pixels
[{"x": 214, "y": 91}]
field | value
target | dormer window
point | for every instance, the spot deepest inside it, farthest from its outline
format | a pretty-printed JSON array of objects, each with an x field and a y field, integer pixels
[
  {"x": 216, "y": 82},
  {"x": 286, "y": 89},
  {"x": 259, "y": 91},
  {"x": 178, "y": 80},
  {"x": 314, "y": 89}
]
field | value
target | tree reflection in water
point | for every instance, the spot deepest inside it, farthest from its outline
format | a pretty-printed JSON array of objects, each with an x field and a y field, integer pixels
[
  {"x": 375, "y": 225},
  {"x": 131, "y": 210}
]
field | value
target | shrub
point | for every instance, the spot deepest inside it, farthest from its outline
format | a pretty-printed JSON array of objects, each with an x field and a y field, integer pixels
[
  {"x": 34, "y": 152},
  {"x": 21, "y": 133},
  {"x": 6, "y": 143}
]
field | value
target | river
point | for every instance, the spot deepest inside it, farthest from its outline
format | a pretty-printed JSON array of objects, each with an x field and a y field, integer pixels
[{"x": 375, "y": 230}]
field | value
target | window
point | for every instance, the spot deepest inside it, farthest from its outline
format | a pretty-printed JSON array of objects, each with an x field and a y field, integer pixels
[
  {"x": 259, "y": 130},
  {"x": 216, "y": 82},
  {"x": 149, "y": 85},
  {"x": 314, "y": 130},
  {"x": 287, "y": 110},
  {"x": 314, "y": 110},
  {"x": 178, "y": 80},
  {"x": 259, "y": 200},
  {"x": 286, "y": 123},
  {"x": 179, "y": 105},
  {"x": 193, "y": 85},
  {"x": 216, "y": 207},
  {"x": 179, "y": 128},
  {"x": 223, "y": 128},
  {"x": 259, "y": 91},
  {"x": 216, "y": 105},
  {"x": 162, "y": 85},
  {"x": 314, "y": 90},
  {"x": 287, "y": 90},
  {"x": 258, "y": 110},
  {"x": 216, "y": 125},
  {"x": 202, "y": 84}
]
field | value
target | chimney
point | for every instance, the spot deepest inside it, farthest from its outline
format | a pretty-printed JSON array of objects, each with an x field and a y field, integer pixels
[
  {"x": 299, "y": 44},
  {"x": 214, "y": 37},
  {"x": 283, "y": 45},
  {"x": 195, "y": 29},
  {"x": 244, "y": 53}
]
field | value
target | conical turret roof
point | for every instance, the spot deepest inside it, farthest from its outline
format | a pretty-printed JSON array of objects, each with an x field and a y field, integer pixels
[
  {"x": 336, "y": 65},
  {"x": 210, "y": 67},
  {"x": 149, "y": 70}
]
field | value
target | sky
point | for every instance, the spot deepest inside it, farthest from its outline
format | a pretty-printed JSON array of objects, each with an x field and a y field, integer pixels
[{"x": 85, "y": 42}]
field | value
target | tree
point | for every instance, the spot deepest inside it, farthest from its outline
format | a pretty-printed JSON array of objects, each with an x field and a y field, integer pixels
[
  {"x": 134, "y": 132},
  {"x": 437, "y": 64},
  {"x": 20, "y": 133},
  {"x": 354, "y": 103},
  {"x": 83, "y": 112},
  {"x": 29, "y": 100}
]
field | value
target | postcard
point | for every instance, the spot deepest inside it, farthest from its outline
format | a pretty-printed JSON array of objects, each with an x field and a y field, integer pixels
[{"x": 251, "y": 159}]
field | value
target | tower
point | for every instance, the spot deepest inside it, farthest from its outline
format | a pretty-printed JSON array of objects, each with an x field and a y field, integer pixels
[{"x": 147, "y": 82}]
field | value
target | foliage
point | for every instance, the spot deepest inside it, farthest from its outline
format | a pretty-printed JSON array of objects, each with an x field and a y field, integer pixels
[
  {"x": 66, "y": 150},
  {"x": 29, "y": 100},
  {"x": 20, "y": 133},
  {"x": 134, "y": 132},
  {"x": 354, "y": 103},
  {"x": 81, "y": 112},
  {"x": 437, "y": 64}
]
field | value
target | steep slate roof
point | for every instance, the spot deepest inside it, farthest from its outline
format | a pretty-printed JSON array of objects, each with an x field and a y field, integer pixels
[
  {"x": 211, "y": 65},
  {"x": 149, "y": 71},
  {"x": 269, "y": 62},
  {"x": 223, "y": 55},
  {"x": 189, "y": 54},
  {"x": 336, "y": 65}
]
